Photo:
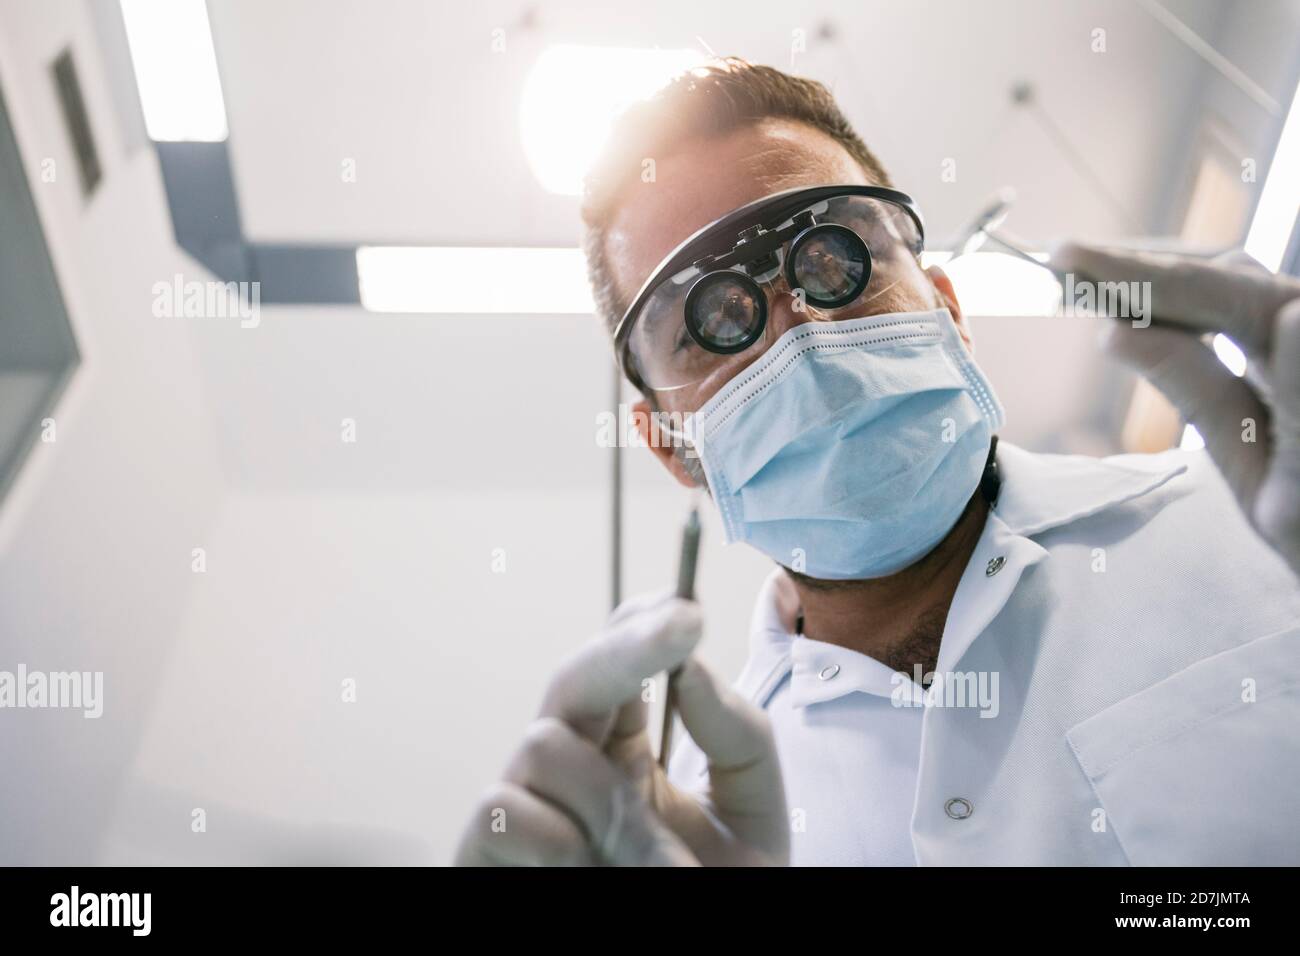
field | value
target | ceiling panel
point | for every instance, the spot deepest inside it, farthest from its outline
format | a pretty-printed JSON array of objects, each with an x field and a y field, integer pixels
[{"x": 412, "y": 93}]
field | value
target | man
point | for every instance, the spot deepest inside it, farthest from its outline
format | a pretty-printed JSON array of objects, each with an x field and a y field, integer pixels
[{"x": 969, "y": 654}]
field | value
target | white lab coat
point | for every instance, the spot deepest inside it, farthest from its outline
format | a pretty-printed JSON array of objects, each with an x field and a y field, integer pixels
[{"x": 1147, "y": 650}]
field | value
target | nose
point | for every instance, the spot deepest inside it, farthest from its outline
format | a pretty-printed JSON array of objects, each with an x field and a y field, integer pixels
[{"x": 786, "y": 312}]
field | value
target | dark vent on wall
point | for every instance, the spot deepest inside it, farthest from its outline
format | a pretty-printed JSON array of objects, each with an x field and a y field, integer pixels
[{"x": 77, "y": 122}]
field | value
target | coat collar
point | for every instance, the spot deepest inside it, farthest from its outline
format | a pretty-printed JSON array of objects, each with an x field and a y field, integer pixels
[{"x": 1039, "y": 492}]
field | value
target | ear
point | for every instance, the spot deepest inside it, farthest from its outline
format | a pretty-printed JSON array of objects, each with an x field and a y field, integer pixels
[
  {"x": 661, "y": 445},
  {"x": 948, "y": 296}
]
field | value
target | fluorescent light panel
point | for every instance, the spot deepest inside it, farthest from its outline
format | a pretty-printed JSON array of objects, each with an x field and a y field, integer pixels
[
  {"x": 176, "y": 70},
  {"x": 465, "y": 281},
  {"x": 994, "y": 283},
  {"x": 1279, "y": 203}
]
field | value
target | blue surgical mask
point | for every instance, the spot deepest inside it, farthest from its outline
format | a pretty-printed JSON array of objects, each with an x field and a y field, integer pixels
[{"x": 850, "y": 448}]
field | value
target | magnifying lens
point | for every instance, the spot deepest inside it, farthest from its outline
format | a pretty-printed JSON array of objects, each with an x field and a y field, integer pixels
[
  {"x": 830, "y": 263},
  {"x": 726, "y": 312},
  {"x": 726, "y": 309}
]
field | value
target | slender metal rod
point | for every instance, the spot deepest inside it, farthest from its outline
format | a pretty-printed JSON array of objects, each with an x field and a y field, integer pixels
[
  {"x": 1194, "y": 41},
  {"x": 616, "y": 498},
  {"x": 690, "y": 555}
]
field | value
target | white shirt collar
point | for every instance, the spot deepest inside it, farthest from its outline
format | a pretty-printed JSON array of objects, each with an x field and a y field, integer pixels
[
  {"x": 1046, "y": 491},
  {"x": 1039, "y": 492}
]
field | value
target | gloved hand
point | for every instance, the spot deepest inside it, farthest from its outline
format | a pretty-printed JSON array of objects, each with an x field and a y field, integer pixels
[
  {"x": 1261, "y": 313},
  {"x": 584, "y": 787}
]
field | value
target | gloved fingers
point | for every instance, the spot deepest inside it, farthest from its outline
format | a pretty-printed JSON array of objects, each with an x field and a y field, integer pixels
[
  {"x": 568, "y": 771},
  {"x": 1242, "y": 258},
  {"x": 635, "y": 605},
  {"x": 1286, "y": 380},
  {"x": 631, "y": 718},
  {"x": 745, "y": 786},
  {"x": 627, "y": 736},
  {"x": 628, "y": 745},
  {"x": 1277, "y": 509},
  {"x": 607, "y": 673},
  {"x": 1258, "y": 373},
  {"x": 1240, "y": 301},
  {"x": 1225, "y": 410},
  {"x": 512, "y": 827}
]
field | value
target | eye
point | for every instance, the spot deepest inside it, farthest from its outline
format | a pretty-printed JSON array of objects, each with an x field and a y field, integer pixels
[{"x": 684, "y": 341}]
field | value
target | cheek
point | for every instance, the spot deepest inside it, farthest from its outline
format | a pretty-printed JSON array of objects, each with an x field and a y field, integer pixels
[
  {"x": 914, "y": 293},
  {"x": 687, "y": 400},
  {"x": 694, "y": 397},
  {"x": 910, "y": 295}
]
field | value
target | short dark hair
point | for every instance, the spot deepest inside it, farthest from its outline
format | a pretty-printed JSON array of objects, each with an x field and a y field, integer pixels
[{"x": 722, "y": 95}]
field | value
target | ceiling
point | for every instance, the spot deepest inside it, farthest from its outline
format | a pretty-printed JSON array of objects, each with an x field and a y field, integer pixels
[
  {"x": 415, "y": 97},
  {"x": 418, "y": 99}
]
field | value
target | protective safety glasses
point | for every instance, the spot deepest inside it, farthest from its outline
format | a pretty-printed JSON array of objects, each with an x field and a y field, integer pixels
[{"x": 832, "y": 249}]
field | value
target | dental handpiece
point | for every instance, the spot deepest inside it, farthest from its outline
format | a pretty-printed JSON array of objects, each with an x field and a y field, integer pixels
[{"x": 685, "y": 589}]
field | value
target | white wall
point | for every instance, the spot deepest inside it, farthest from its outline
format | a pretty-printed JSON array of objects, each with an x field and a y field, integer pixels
[
  {"x": 448, "y": 657},
  {"x": 373, "y": 561},
  {"x": 95, "y": 536}
]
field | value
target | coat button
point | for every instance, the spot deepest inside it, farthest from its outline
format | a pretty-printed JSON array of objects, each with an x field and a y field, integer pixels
[
  {"x": 829, "y": 671},
  {"x": 959, "y": 808},
  {"x": 994, "y": 565}
]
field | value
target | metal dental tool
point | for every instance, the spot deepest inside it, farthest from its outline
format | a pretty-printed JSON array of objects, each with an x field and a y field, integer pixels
[
  {"x": 986, "y": 228},
  {"x": 685, "y": 589}
]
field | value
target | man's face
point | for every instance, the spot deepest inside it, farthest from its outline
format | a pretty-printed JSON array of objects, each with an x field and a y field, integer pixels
[{"x": 703, "y": 180}]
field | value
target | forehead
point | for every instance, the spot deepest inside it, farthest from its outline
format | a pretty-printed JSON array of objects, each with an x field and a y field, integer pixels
[{"x": 704, "y": 179}]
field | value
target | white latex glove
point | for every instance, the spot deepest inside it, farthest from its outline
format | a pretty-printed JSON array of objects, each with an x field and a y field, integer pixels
[
  {"x": 584, "y": 787},
  {"x": 1259, "y": 311}
]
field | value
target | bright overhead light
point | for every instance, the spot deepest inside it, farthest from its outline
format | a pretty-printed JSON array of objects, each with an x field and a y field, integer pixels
[
  {"x": 994, "y": 283},
  {"x": 1279, "y": 203},
  {"x": 473, "y": 280},
  {"x": 175, "y": 70},
  {"x": 571, "y": 96}
]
